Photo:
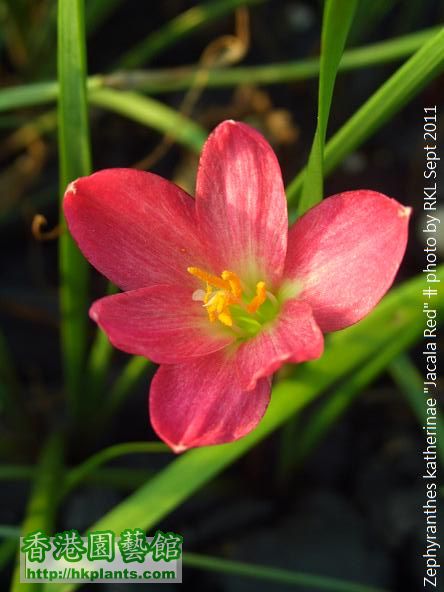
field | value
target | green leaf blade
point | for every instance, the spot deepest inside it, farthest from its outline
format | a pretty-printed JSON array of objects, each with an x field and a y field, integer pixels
[
  {"x": 338, "y": 16},
  {"x": 179, "y": 27},
  {"x": 152, "y": 113},
  {"x": 75, "y": 161},
  {"x": 42, "y": 504}
]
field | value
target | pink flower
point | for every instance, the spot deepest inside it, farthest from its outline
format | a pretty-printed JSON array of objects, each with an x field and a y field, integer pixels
[{"x": 217, "y": 289}]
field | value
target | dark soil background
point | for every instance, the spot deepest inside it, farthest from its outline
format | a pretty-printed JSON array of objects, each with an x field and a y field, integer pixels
[{"x": 354, "y": 509}]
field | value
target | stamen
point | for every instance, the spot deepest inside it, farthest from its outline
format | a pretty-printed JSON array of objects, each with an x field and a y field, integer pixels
[
  {"x": 234, "y": 282},
  {"x": 213, "y": 280},
  {"x": 217, "y": 302},
  {"x": 259, "y": 299},
  {"x": 226, "y": 291},
  {"x": 208, "y": 293},
  {"x": 212, "y": 315},
  {"x": 217, "y": 308},
  {"x": 225, "y": 318}
]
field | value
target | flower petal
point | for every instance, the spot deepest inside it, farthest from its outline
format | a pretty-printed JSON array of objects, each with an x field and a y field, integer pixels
[
  {"x": 345, "y": 253},
  {"x": 241, "y": 205},
  {"x": 294, "y": 337},
  {"x": 202, "y": 403},
  {"x": 162, "y": 323},
  {"x": 134, "y": 227}
]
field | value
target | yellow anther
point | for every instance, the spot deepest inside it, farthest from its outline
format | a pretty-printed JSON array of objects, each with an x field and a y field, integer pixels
[
  {"x": 213, "y": 280},
  {"x": 225, "y": 318},
  {"x": 208, "y": 292},
  {"x": 217, "y": 307},
  {"x": 217, "y": 302},
  {"x": 212, "y": 315},
  {"x": 259, "y": 299},
  {"x": 234, "y": 282}
]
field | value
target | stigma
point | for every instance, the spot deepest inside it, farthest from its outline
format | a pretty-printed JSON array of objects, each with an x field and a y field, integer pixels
[{"x": 225, "y": 291}]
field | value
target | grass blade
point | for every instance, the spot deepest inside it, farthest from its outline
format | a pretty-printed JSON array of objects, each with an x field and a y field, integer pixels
[
  {"x": 272, "y": 574},
  {"x": 99, "y": 359},
  {"x": 174, "y": 79},
  {"x": 118, "y": 477},
  {"x": 336, "y": 22},
  {"x": 97, "y": 11},
  {"x": 42, "y": 504},
  {"x": 181, "y": 78},
  {"x": 79, "y": 473},
  {"x": 410, "y": 382},
  {"x": 153, "y": 114},
  {"x": 37, "y": 93},
  {"x": 133, "y": 372},
  {"x": 7, "y": 550},
  {"x": 75, "y": 161},
  {"x": 407, "y": 81},
  {"x": 178, "y": 28}
]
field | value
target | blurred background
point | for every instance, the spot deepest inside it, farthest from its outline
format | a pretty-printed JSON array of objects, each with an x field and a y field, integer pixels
[{"x": 348, "y": 504}]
